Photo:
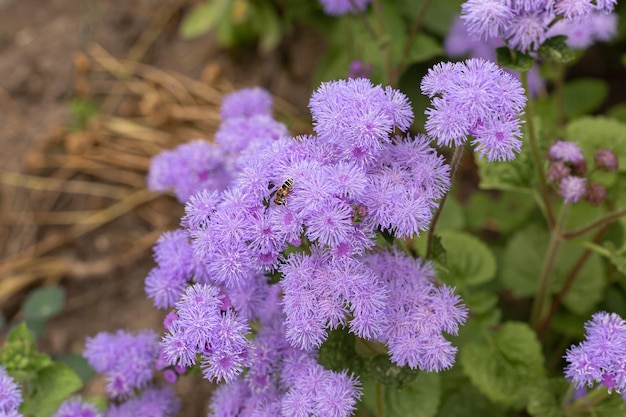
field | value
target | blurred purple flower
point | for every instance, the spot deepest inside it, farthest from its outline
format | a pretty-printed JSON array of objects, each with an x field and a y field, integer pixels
[
  {"x": 10, "y": 393},
  {"x": 77, "y": 408},
  {"x": 246, "y": 102},
  {"x": 341, "y": 7}
]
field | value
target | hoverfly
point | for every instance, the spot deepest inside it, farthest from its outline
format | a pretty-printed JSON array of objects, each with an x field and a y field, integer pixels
[{"x": 283, "y": 191}]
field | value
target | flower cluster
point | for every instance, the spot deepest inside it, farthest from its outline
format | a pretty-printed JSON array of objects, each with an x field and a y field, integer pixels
[
  {"x": 526, "y": 24},
  {"x": 127, "y": 360},
  {"x": 341, "y": 7},
  {"x": 10, "y": 395},
  {"x": 568, "y": 168},
  {"x": 205, "y": 326},
  {"x": 601, "y": 357},
  {"x": 288, "y": 245},
  {"x": 77, "y": 408},
  {"x": 477, "y": 98}
]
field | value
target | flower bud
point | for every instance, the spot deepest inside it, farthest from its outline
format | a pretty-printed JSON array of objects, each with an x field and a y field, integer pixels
[
  {"x": 579, "y": 168},
  {"x": 605, "y": 159},
  {"x": 595, "y": 194},
  {"x": 573, "y": 188},
  {"x": 558, "y": 170}
]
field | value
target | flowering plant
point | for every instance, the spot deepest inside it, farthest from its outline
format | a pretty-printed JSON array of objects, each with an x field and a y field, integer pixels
[{"x": 348, "y": 271}]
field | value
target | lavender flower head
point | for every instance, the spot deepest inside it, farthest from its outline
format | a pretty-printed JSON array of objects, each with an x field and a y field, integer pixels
[
  {"x": 246, "y": 102},
  {"x": 188, "y": 169},
  {"x": 583, "y": 32},
  {"x": 10, "y": 394},
  {"x": 341, "y": 7},
  {"x": 161, "y": 402},
  {"x": 77, "y": 408},
  {"x": 525, "y": 25},
  {"x": 573, "y": 188},
  {"x": 566, "y": 152},
  {"x": 127, "y": 360},
  {"x": 600, "y": 359},
  {"x": 476, "y": 98}
]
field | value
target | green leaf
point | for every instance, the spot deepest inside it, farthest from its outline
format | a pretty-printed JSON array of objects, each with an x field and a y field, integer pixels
[
  {"x": 338, "y": 352},
  {"x": 424, "y": 47},
  {"x": 515, "y": 175},
  {"x": 470, "y": 262},
  {"x": 503, "y": 213},
  {"x": 583, "y": 96},
  {"x": 481, "y": 302},
  {"x": 556, "y": 49},
  {"x": 78, "y": 364},
  {"x": 19, "y": 354},
  {"x": 43, "y": 303},
  {"x": 523, "y": 259},
  {"x": 268, "y": 26},
  {"x": 469, "y": 402},
  {"x": 439, "y": 16},
  {"x": 51, "y": 387},
  {"x": 381, "y": 368},
  {"x": 508, "y": 367},
  {"x": 618, "y": 112},
  {"x": 514, "y": 60},
  {"x": 204, "y": 17},
  {"x": 593, "y": 133},
  {"x": 545, "y": 398},
  {"x": 451, "y": 217},
  {"x": 419, "y": 399}
]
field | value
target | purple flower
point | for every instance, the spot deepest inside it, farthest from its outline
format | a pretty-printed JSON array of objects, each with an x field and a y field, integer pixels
[
  {"x": 601, "y": 357},
  {"x": 566, "y": 152},
  {"x": 237, "y": 134},
  {"x": 10, "y": 393},
  {"x": 527, "y": 31},
  {"x": 127, "y": 360},
  {"x": 572, "y": 9},
  {"x": 246, "y": 102},
  {"x": 486, "y": 18},
  {"x": 583, "y": 32},
  {"x": 188, "y": 169},
  {"x": 77, "y": 408},
  {"x": 158, "y": 402},
  {"x": 573, "y": 188},
  {"x": 340, "y": 7},
  {"x": 477, "y": 98}
]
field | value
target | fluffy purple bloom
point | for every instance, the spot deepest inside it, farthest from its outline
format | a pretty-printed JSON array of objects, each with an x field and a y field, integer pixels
[
  {"x": 486, "y": 18},
  {"x": 527, "y": 31},
  {"x": 188, "y": 169},
  {"x": 357, "y": 116},
  {"x": 127, "y": 360},
  {"x": 246, "y": 102},
  {"x": 477, "y": 98},
  {"x": 10, "y": 393},
  {"x": 573, "y": 188},
  {"x": 77, "y": 408},
  {"x": 341, "y": 7},
  {"x": 583, "y": 32},
  {"x": 240, "y": 133},
  {"x": 601, "y": 357},
  {"x": 572, "y": 9},
  {"x": 154, "y": 402},
  {"x": 566, "y": 152}
]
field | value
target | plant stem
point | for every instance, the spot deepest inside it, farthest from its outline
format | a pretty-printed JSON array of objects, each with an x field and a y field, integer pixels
[
  {"x": 543, "y": 290},
  {"x": 559, "y": 98},
  {"x": 588, "y": 401},
  {"x": 534, "y": 146},
  {"x": 612, "y": 216},
  {"x": 378, "y": 11},
  {"x": 415, "y": 27},
  {"x": 454, "y": 164},
  {"x": 380, "y": 407},
  {"x": 569, "y": 280},
  {"x": 361, "y": 16}
]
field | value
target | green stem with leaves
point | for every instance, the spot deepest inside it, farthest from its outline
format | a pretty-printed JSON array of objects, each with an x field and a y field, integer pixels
[
  {"x": 413, "y": 31},
  {"x": 536, "y": 155},
  {"x": 608, "y": 218},
  {"x": 454, "y": 164},
  {"x": 543, "y": 289}
]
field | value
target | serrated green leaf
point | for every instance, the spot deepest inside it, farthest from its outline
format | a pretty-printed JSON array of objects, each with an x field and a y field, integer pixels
[
  {"x": 390, "y": 374},
  {"x": 593, "y": 133},
  {"x": 481, "y": 302},
  {"x": 338, "y": 352},
  {"x": 516, "y": 175},
  {"x": 204, "y": 17},
  {"x": 438, "y": 252},
  {"x": 469, "y": 260},
  {"x": 544, "y": 399},
  {"x": 514, "y": 60},
  {"x": 451, "y": 217},
  {"x": 469, "y": 402},
  {"x": 51, "y": 387},
  {"x": 522, "y": 263},
  {"x": 583, "y": 96},
  {"x": 421, "y": 398},
  {"x": 424, "y": 48},
  {"x": 43, "y": 303},
  {"x": 556, "y": 49},
  {"x": 507, "y": 368},
  {"x": 502, "y": 214},
  {"x": 78, "y": 364}
]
